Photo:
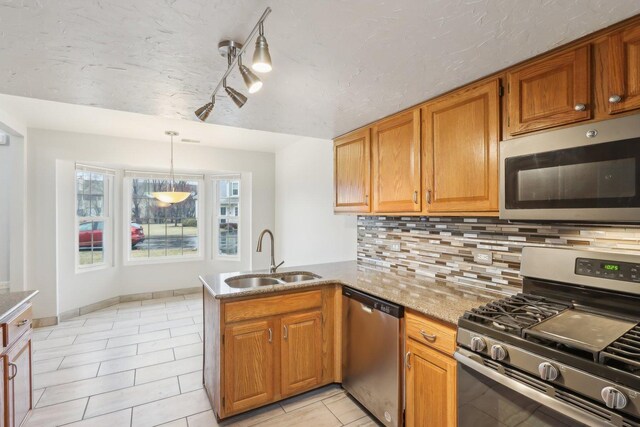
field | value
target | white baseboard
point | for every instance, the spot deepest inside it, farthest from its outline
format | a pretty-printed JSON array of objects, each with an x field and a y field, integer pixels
[{"x": 5, "y": 285}]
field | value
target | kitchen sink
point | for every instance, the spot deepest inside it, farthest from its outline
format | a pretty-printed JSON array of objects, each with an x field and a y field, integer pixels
[
  {"x": 292, "y": 278},
  {"x": 250, "y": 281}
]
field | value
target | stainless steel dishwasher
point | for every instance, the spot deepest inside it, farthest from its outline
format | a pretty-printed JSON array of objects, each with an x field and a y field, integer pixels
[{"x": 372, "y": 354}]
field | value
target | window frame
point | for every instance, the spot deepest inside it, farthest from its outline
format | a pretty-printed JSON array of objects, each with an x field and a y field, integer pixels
[
  {"x": 215, "y": 234},
  {"x": 127, "y": 183},
  {"x": 107, "y": 218}
]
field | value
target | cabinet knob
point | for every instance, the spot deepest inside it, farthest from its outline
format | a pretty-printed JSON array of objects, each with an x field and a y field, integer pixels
[
  {"x": 615, "y": 99},
  {"x": 580, "y": 107}
]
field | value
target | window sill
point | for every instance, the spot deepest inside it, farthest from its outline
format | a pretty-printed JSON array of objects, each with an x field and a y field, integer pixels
[
  {"x": 161, "y": 260},
  {"x": 90, "y": 268}
]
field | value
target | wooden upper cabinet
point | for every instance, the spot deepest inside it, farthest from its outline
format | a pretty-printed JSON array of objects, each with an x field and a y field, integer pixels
[
  {"x": 352, "y": 172},
  {"x": 301, "y": 352},
  {"x": 460, "y": 150},
  {"x": 550, "y": 92},
  {"x": 248, "y": 365},
  {"x": 624, "y": 70},
  {"x": 396, "y": 163},
  {"x": 430, "y": 387}
]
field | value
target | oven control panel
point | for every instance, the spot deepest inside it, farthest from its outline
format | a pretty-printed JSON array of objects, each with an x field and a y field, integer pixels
[{"x": 614, "y": 270}]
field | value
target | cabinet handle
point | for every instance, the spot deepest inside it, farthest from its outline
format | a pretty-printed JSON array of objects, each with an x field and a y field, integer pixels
[
  {"x": 22, "y": 322},
  {"x": 286, "y": 332},
  {"x": 270, "y": 335},
  {"x": 427, "y": 336},
  {"x": 415, "y": 197},
  {"x": 14, "y": 368},
  {"x": 407, "y": 357},
  {"x": 580, "y": 107},
  {"x": 615, "y": 99},
  {"x": 366, "y": 199},
  {"x": 429, "y": 196}
]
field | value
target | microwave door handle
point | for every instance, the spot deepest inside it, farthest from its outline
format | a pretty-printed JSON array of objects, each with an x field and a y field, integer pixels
[{"x": 527, "y": 391}]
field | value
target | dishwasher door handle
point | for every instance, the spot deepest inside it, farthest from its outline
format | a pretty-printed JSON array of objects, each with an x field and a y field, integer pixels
[{"x": 366, "y": 308}]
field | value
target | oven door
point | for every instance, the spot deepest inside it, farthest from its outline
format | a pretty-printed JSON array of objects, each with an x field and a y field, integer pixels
[
  {"x": 566, "y": 175},
  {"x": 490, "y": 394}
]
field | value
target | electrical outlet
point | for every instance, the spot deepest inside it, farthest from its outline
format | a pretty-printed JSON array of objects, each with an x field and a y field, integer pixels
[
  {"x": 485, "y": 258},
  {"x": 4, "y": 138},
  {"x": 395, "y": 247}
]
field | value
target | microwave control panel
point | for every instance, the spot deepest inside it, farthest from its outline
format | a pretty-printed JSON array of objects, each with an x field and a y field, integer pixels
[{"x": 615, "y": 270}]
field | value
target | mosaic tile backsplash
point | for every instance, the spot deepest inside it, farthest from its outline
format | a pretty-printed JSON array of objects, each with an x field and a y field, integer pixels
[{"x": 444, "y": 248}]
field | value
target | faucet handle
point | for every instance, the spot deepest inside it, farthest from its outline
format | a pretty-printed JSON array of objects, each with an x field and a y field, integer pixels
[{"x": 279, "y": 264}]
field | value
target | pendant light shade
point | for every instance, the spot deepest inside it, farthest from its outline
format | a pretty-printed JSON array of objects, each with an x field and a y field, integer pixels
[
  {"x": 172, "y": 196},
  {"x": 261, "y": 56},
  {"x": 203, "y": 112},
  {"x": 252, "y": 81},
  {"x": 238, "y": 98}
]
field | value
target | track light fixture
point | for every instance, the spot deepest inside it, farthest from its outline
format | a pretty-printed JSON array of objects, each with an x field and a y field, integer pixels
[
  {"x": 261, "y": 56},
  {"x": 252, "y": 81},
  {"x": 233, "y": 51}
]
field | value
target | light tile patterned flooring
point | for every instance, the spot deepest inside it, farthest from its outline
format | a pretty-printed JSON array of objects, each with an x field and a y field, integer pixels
[{"x": 140, "y": 364}]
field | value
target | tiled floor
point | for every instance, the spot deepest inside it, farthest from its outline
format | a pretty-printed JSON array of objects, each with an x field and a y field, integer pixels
[{"x": 140, "y": 364}]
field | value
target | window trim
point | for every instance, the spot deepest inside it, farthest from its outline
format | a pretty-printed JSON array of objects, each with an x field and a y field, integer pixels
[
  {"x": 216, "y": 255},
  {"x": 107, "y": 218},
  {"x": 126, "y": 232}
]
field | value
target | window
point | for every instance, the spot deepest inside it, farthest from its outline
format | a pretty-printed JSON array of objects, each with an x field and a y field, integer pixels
[
  {"x": 93, "y": 215},
  {"x": 159, "y": 230},
  {"x": 227, "y": 222}
]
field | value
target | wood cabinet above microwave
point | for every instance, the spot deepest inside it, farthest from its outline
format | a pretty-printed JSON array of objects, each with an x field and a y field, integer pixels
[
  {"x": 624, "y": 70},
  {"x": 551, "y": 92}
]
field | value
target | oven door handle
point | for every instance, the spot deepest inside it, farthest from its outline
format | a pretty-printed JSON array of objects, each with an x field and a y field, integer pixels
[{"x": 541, "y": 398}]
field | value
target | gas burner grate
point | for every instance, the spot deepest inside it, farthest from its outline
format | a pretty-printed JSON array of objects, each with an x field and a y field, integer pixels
[
  {"x": 624, "y": 353},
  {"x": 516, "y": 312}
]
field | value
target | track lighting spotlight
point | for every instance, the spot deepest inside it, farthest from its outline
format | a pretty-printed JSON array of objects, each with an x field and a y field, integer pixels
[
  {"x": 252, "y": 81},
  {"x": 237, "y": 98},
  {"x": 261, "y": 56},
  {"x": 203, "y": 112}
]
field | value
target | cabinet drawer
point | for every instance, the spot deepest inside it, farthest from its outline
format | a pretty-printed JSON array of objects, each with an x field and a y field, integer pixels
[
  {"x": 17, "y": 325},
  {"x": 271, "y": 306},
  {"x": 431, "y": 332}
]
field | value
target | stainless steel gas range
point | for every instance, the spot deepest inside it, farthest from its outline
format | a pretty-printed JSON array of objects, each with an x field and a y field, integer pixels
[{"x": 565, "y": 351}]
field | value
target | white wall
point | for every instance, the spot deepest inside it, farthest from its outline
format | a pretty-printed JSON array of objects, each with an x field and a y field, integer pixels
[
  {"x": 51, "y": 237},
  {"x": 307, "y": 230},
  {"x": 13, "y": 179}
]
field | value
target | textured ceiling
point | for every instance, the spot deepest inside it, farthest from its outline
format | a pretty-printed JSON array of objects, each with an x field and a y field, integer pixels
[{"x": 338, "y": 64}]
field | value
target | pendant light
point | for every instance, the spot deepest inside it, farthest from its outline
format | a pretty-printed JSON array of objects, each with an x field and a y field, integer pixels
[
  {"x": 261, "y": 56},
  {"x": 172, "y": 196}
]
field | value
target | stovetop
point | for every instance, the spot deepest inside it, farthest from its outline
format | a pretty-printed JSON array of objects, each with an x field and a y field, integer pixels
[{"x": 579, "y": 332}]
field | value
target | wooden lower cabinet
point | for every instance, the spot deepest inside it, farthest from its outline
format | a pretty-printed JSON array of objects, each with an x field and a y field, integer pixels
[
  {"x": 301, "y": 352},
  {"x": 248, "y": 355},
  {"x": 430, "y": 387},
  {"x": 259, "y": 350}
]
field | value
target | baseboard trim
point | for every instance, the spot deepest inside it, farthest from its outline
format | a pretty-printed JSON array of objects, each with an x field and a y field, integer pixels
[{"x": 70, "y": 314}]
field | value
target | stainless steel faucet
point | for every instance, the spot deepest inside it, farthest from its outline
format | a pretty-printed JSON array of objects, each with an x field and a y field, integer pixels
[{"x": 273, "y": 267}]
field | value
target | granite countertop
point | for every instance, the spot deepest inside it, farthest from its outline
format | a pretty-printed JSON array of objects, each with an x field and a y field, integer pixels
[
  {"x": 443, "y": 300},
  {"x": 11, "y": 301}
]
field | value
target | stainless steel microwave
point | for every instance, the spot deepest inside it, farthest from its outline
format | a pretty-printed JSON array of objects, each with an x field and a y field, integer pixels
[{"x": 585, "y": 173}]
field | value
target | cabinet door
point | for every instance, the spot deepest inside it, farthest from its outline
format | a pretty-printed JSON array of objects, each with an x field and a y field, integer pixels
[
  {"x": 396, "y": 164},
  {"x": 624, "y": 70},
  {"x": 461, "y": 133},
  {"x": 248, "y": 365},
  {"x": 301, "y": 352},
  {"x": 430, "y": 387},
  {"x": 551, "y": 92},
  {"x": 18, "y": 376},
  {"x": 352, "y": 172}
]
